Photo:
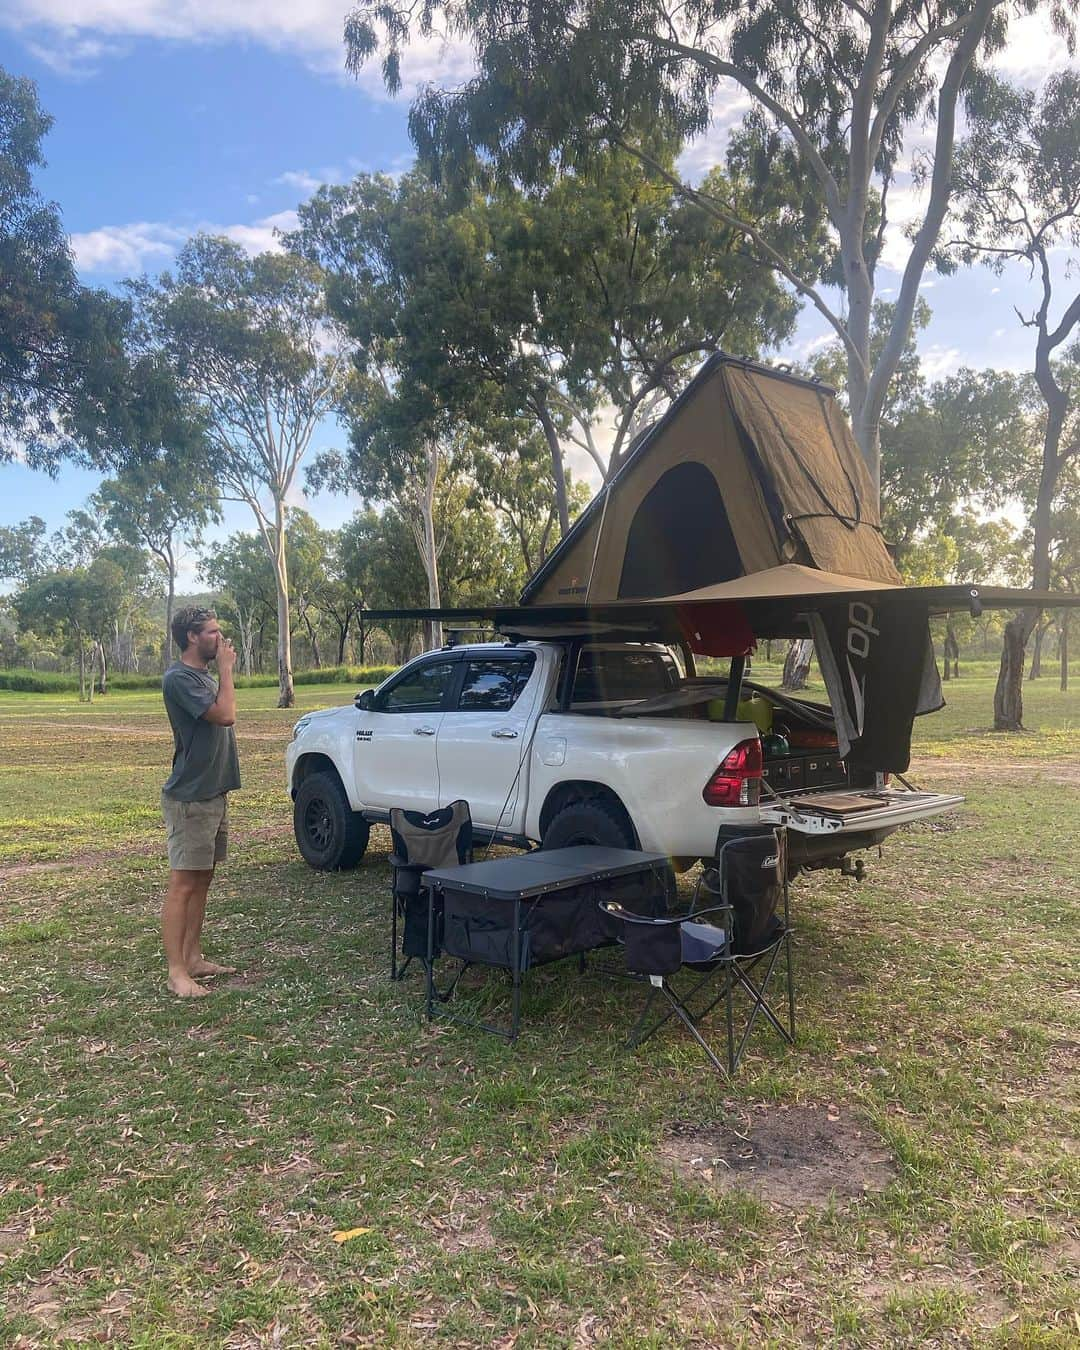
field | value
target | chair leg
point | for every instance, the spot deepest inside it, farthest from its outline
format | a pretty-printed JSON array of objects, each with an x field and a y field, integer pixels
[
  {"x": 688, "y": 1022},
  {"x": 635, "y": 1038},
  {"x": 759, "y": 1005}
]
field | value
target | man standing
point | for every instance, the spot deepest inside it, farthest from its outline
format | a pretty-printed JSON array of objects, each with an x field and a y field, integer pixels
[{"x": 195, "y": 799}]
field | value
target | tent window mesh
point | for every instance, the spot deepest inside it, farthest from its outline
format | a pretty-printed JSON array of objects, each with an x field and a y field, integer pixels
[{"x": 680, "y": 537}]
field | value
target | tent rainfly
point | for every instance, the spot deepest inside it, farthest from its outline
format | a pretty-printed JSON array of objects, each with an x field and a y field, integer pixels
[{"x": 751, "y": 468}]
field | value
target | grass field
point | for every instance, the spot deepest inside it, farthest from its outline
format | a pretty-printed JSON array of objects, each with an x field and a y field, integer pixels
[{"x": 173, "y": 1174}]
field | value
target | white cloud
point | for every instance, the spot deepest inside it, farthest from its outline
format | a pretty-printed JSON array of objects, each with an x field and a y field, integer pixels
[
  {"x": 260, "y": 237},
  {"x": 73, "y": 34},
  {"x": 1034, "y": 50},
  {"x": 938, "y": 361},
  {"x": 128, "y": 250},
  {"x": 75, "y": 57},
  {"x": 306, "y": 182}
]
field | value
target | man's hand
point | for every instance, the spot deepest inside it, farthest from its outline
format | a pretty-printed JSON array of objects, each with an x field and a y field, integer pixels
[{"x": 225, "y": 655}]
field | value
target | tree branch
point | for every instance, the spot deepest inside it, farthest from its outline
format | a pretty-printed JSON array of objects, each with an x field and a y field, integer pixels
[{"x": 775, "y": 258}]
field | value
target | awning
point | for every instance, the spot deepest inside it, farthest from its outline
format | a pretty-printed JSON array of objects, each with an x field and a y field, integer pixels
[{"x": 776, "y": 602}]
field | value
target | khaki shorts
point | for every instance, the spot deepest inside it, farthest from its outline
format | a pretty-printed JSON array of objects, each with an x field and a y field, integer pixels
[{"x": 198, "y": 832}]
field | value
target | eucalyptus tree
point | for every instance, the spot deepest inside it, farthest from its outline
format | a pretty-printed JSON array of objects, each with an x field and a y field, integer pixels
[
  {"x": 592, "y": 297},
  {"x": 431, "y": 299},
  {"x": 163, "y": 504},
  {"x": 23, "y": 550},
  {"x": 73, "y": 382},
  {"x": 242, "y": 574},
  {"x": 839, "y": 91},
  {"x": 406, "y": 450},
  {"x": 1018, "y": 202},
  {"x": 82, "y": 604},
  {"x": 250, "y": 341}
]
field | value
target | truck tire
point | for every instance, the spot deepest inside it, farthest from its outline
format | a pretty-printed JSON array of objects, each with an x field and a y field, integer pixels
[
  {"x": 329, "y": 834},
  {"x": 596, "y": 821},
  {"x": 592, "y": 821}
]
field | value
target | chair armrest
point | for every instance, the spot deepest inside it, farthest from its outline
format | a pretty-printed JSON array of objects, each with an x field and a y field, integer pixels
[{"x": 403, "y": 865}]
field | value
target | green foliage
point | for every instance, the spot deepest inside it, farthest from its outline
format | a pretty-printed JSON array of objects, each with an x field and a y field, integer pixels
[
  {"x": 37, "y": 682},
  {"x": 22, "y": 550},
  {"x": 50, "y": 682},
  {"x": 71, "y": 381}
]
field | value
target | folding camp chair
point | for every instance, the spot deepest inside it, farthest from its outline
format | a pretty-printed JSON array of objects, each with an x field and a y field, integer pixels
[
  {"x": 743, "y": 949},
  {"x": 441, "y": 838}
]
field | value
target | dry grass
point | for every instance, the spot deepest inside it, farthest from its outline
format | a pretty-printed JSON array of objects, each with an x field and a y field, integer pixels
[{"x": 172, "y": 1175}]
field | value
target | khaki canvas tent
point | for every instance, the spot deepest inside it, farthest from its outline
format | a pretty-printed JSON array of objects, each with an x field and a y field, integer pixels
[{"x": 750, "y": 469}]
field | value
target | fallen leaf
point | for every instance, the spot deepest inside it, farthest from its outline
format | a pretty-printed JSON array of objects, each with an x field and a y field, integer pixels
[{"x": 347, "y": 1234}]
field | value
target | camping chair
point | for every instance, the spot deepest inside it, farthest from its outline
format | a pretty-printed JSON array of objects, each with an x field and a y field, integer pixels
[
  {"x": 441, "y": 838},
  {"x": 743, "y": 949}
]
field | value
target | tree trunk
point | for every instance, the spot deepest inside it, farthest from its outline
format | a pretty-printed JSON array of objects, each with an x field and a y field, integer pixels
[
  {"x": 82, "y": 671},
  {"x": 558, "y": 471},
  {"x": 1009, "y": 693},
  {"x": 286, "y": 693},
  {"x": 104, "y": 678},
  {"x": 429, "y": 550},
  {"x": 170, "y": 603},
  {"x": 313, "y": 638},
  {"x": 797, "y": 664},
  {"x": 951, "y": 651},
  {"x": 864, "y": 423},
  {"x": 343, "y": 637},
  {"x": 363, "y": 638},
  {"x": 1036, "y": 651},
  {"x": 1063, "y": 650}
]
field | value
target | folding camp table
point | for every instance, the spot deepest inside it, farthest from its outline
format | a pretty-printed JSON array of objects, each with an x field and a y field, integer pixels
[{"x": 524, "y": 911}]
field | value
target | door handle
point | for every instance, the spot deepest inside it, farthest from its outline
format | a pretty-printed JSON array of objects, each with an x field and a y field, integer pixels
[
  {"x": 505, "y": 734},
  {"x": 423, "y": 731}
]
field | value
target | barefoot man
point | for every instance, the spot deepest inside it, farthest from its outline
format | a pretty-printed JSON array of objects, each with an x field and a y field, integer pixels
[{"x": 195, "y": 799}]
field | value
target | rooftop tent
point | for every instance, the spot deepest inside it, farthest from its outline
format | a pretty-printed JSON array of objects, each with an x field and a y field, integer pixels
[{"x": 750, "y": 468}]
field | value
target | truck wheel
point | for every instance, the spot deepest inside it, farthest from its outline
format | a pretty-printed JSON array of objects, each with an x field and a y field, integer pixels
[
  {"x": 592, "y": 821},
  {"x": 595, "y": 821},
  {"x": 329, "y": 834}
]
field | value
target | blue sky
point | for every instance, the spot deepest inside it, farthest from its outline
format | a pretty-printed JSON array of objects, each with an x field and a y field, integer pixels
[{"x": 178, "y": 115}]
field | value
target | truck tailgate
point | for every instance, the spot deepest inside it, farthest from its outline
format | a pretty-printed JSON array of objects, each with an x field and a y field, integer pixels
[{"x": 893, "y": 808}]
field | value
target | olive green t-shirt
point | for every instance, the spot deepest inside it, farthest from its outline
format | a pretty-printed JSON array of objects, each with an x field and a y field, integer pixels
[{"x": 205, "y": 762}]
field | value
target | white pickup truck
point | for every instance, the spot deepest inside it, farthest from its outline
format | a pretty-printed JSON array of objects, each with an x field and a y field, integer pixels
[{"x": 545, "y": 743}]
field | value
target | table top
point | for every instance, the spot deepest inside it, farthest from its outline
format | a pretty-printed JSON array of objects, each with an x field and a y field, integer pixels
[{"x": 529, "y": 874}]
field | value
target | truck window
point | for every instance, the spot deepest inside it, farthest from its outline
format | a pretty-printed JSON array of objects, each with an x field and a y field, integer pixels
[
  {"x": 421, "y": 690},
  {"x": 494, "y": 686},
  {"x": 622, "y": 675}
]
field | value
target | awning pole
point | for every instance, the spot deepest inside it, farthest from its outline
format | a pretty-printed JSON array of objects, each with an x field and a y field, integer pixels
[{"x": 734, "y": 688}]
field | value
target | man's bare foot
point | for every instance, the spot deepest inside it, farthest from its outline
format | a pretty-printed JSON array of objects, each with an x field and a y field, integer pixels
[
  {"x": 185, "y": 987},
  {"x": 201, "y": 968}
]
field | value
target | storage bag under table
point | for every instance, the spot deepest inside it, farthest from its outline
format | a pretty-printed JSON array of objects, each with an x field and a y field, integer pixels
[{"x": 518, "y": 912}]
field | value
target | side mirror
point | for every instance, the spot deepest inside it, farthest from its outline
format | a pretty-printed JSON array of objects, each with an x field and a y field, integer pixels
[{"x": 365, "y": 701}]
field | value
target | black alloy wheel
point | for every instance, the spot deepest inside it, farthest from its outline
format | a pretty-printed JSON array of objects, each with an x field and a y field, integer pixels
[{"x": 329, "y": 834}]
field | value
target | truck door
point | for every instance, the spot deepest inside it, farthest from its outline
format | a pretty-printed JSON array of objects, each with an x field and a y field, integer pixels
[
  {"x": 396, "y": 764},
  {"x": 482, "y": 740}
]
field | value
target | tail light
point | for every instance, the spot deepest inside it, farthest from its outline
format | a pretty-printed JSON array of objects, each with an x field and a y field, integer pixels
[{"x": 737, "y": 782}]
